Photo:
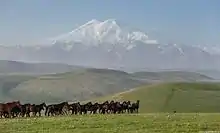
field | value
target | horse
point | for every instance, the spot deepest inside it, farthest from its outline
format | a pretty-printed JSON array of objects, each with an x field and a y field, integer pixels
[
  {"x": 6, "y": 108},
  {"x": 85, "y": 108},
  {"x": 125, "y": 106},
  {"x": 57, "y": 109},
  {"x": 104, "y": 107},
  {"x": 75, "y": 107},
  {"x": 134, "y": 106},
  {"x": 38, "y": 108}
]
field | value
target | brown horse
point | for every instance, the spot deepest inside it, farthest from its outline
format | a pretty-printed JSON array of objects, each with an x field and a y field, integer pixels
[{"x": 6, "y": 108}]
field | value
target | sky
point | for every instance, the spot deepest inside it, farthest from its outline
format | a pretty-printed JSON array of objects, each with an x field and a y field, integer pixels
[{"x": 191, "y": 22}]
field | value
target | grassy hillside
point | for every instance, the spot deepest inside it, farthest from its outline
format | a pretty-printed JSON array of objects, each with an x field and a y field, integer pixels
[
  {"x": 9, "y": 82},
  {"x": 77, "y": 85},
  {"x": 172, "y": 76},
  {"x": 14, "y": 67},
  {"x": 143, "y": 123},
  {"x": 167, "y": 97}
]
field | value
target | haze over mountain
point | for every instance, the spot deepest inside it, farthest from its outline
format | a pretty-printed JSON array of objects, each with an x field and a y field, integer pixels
[
  {"x": 15, "y": 68},
  {"x": 107, "y": 44}
]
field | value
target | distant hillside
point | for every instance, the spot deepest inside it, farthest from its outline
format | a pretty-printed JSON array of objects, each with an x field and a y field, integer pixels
[
  {"x": 167, "y": 97},
  {"x": 172, "y": 76},
  {"x": 14, "y": 67},
  {"x": 211, "y": 73},
  {"x": 9, "y": 82},
  {"x": 79, "y": 84},
  {"x": 76, "y": 85}
]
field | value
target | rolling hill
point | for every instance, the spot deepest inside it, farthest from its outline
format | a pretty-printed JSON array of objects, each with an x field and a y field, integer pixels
[
  {"x": 76, "y": 85},
  {"x": 16, "y": 67},
  {"x": 9, "y": 82},
  {"x": 167, "y": 97},
  {"x": 79, "y": 84},
  {"x": 171, "y": 76}
]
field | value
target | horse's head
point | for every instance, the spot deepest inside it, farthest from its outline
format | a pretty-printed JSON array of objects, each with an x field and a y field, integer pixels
[
  {"x": 17, "y": 103},
  {"x": 89, "y": 103},
  {"x": 43, "y": 105}
]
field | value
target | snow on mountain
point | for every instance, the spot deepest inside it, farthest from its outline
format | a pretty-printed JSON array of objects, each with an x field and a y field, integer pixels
[
  {"x": 107, "y": 44},
  {"x": 96, "y": 32}
]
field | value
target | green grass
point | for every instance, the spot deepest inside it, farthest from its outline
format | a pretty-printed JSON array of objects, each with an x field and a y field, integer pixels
[
  {"x": 172, "y": 76},
  {"x": 167, "y": 97},
  {"x": 142, "y": 123}
]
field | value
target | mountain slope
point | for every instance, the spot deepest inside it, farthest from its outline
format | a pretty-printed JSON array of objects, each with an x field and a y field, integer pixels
[
  {"x": 107, "y": 44},
  {"x": 9, "y": 82},
  {"x": 167, "y": 97},
  {"x": 172, "y": 76},
  {"x": 79, "y": 84},
  {"x": 76, "y": 85},
  {"x": 14, "y": 67}
]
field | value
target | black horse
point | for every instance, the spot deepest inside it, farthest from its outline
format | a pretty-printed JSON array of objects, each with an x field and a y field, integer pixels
[
  {"x": 36, "y": 109},
  {"x": 57, "y": 109},
  {"x": 134, "y": 107}
]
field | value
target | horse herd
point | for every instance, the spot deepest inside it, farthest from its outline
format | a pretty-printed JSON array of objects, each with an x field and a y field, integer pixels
[{"x": 16, "y": 109}]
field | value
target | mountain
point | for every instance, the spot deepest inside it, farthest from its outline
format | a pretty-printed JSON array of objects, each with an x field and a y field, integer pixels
[
  {"x": 15, "y": 67},
  {"x": 107, "y": 44}
]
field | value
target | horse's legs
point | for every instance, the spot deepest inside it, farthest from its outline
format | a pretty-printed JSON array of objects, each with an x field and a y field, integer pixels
[
  {"x": 9, "y": 114},
  {"x": 28, "y": 114}
]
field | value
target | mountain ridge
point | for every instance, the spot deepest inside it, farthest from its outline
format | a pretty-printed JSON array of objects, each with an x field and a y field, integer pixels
[{"x": 106, "y": 44}]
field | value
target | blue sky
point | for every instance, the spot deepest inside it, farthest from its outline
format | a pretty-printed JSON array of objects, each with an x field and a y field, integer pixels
[{"x": 169, "y": 21}]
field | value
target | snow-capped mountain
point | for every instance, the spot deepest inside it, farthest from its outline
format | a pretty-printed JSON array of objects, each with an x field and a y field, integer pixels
[
  {"x": 96, "y": 33},
  {"x": 108, "y": 44}
]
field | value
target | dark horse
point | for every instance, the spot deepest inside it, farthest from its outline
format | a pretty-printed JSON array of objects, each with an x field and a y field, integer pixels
[
  {"x": 134, "y": 107},
  {"x": 38, "y": 108},
  {"x": 75, "y": 107},
  {"x": 6, "y": 108},
  {"x": 57, "y": 109}
]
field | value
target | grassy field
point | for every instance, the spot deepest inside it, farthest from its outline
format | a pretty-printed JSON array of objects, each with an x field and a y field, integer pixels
[
  {"x": 167, "y": 97},
  {"x": 141, "y": 123},
  {"x": 172, "y": 76}
]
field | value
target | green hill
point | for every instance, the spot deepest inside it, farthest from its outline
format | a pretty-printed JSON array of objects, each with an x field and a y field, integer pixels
[
  {"x": 76, "y": 85},
  {"x": 167, "y": 97},
  {"x": 79, "y": 84},
  {"x": 172, "y": 76},
  {"x": 15, "y": 67},
  {"x": 9, "y": 82}
]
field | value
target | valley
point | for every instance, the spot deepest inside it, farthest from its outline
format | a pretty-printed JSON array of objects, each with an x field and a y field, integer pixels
[{"x": 78, "y": 83}]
